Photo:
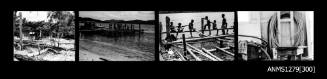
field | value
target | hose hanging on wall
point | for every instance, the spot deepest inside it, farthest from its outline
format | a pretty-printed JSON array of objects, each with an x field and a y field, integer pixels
[
  {"x": 299, "y": 30},
  {"x": 273, "y": 32}
]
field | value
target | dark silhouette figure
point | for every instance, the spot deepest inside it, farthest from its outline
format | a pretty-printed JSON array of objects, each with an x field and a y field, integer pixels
[
  {"x": 190, "y": 26},
  {"x": 172, "y": 28},
  {"x": 214, "y": 25},
  {"x": 167, "y": 20},
  {"x": 207, "y": 25},
  {"x": 179, "y": 29},
  {"x": 224, "y": 24},
  {"x": 170, "y": 38}
]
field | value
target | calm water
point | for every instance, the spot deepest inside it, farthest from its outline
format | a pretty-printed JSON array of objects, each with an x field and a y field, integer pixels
[{"x": 143, "y": 42}]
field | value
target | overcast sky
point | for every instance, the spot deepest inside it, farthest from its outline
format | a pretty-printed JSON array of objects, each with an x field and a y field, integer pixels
[
  {"x": 35, "y": 16},
  {"x": 118, "y": 15}
]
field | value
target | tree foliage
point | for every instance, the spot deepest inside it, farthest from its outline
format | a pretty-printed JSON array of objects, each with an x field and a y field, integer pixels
[
  {"x": 63, "y": 22},
  {"x": 59, "y": 22}
]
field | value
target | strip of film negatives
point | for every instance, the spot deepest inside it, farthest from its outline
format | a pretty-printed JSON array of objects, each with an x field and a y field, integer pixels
[{"x": 159, "y": 36}]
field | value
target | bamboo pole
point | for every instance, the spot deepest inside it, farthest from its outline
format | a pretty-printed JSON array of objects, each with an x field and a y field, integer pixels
[
  {"x": 196, "y": 58},
  {"x": 205, "y": 50},
  {"x": 202, "y": 53},
  {"x": 225, "y": 51}
]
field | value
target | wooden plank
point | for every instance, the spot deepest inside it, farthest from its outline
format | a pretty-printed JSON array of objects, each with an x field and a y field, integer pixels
[
  {"x": 229, "y": 38},
  {"x": 224, "y": 40},
  {"x": 205, "y": 50},
  {"x": 196, "y": 39},
  {"x": 210, "y": 50},
  {"x": 196, "y": 31},
  {"x": 196, "y": 58},
  {"x": 202, "y": 53},
  {"x": 225, "y": 51}
]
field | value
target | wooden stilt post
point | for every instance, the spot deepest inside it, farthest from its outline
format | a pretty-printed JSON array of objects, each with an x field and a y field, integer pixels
[
  {"x": 177, "y": 34},
  {"x": 140, "y": 28},
  {"x": 133, "y": 27},
  {"x": 139, "y": 31},
  {"x": 191, "y": 29},
  {"x": 125, "y": 27},
  {"x": 209, "y": 27},
  {"x": 217, "y": 30},
  {"x": 184, "y": 44},
  {"x": 221, "y": 44},
  {"x": 202, "y": 28},
  {"x": 110, "y": 27},
  {"x": 20, "y": 30},
  {"x": 113, "y": 26},
  {"x": 129, "y": 27},
  {"x": 14, "y": 18},
  {"x": 160, "y": 30},
  {"x": 167, "y": 27},
  {"x": 202, "y": 25}
]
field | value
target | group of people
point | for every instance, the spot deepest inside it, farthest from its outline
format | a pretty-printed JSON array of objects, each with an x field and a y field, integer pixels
[
  {"x": 214, "y": 24},
  {"x": 206, "y": 25}
]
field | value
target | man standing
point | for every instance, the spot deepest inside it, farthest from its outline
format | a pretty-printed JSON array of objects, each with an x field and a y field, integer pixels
[
  {"x": 190, "y": 26},
  {"x": 214, "y": 25},
  {"x": 207, "y": 24},
  {"x": 224, "y": 24},
  {"x": 179, "y": 28},
  {"x": 172, "y": 28}
]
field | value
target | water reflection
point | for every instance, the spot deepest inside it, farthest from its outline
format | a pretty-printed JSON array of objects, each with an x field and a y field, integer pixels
[{"x": 140, "y": 41}]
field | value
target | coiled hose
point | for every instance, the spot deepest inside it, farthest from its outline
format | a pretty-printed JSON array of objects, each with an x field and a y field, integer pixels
[{"x": 300, "y": 31}]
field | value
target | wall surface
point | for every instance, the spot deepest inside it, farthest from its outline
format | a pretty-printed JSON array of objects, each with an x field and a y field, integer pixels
[{"x": 249, "y": 24}]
